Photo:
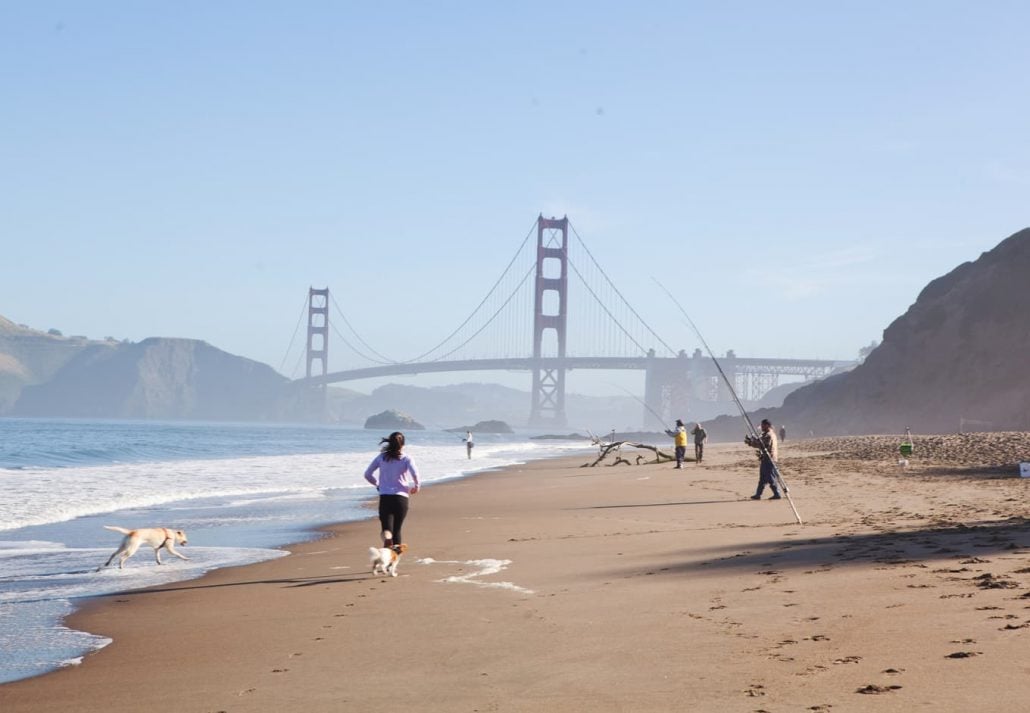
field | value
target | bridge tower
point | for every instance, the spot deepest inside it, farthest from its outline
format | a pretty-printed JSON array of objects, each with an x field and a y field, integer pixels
[
  {"x": 550, "y": 318},
  {"x": 318, "y": 346},
  {"x": 667, "y": 385}
]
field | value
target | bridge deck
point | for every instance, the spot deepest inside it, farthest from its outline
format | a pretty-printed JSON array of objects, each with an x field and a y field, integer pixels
[{"x": 787, "y": 367}]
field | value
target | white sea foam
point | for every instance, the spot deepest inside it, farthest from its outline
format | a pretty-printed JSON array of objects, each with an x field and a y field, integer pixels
[
  {"x": 49, "y": 495},
  {"x": 75, "y": 574},
  {"x": 484, "y": 568},
  {"x": 20, "y": 548}
]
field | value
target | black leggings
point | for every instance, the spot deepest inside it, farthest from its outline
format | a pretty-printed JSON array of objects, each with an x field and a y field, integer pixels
[{"x": 392, "y": 511}]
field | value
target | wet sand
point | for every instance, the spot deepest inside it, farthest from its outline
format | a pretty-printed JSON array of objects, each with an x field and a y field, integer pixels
[{"x": 551, "y": 587}]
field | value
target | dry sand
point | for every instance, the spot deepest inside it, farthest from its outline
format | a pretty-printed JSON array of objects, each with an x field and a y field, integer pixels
[{"x": 550, "y": 587}]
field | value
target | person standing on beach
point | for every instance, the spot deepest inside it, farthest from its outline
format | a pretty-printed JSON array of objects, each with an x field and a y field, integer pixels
[
  {"x": 395, "y": 471},
  {"x": 468, "y": 443},
  {"x": 766, "y": 445},
  {"x": 700, "y": 438},
  {"x": 783, "y": 433},
  {"x": 680, "y": 440}
]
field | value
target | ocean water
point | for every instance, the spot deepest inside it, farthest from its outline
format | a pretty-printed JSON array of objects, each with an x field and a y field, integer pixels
[{"x": 238, "y": 490}]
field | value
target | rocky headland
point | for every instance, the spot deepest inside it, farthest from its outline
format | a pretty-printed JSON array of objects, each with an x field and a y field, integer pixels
[{"x": 956, "y": 360}]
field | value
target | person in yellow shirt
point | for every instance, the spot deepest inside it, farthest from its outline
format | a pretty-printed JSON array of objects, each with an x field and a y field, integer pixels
[{"x": 680, "y": 440}]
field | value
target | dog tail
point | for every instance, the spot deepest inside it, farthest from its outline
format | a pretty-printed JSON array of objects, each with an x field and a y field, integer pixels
[
  {"x": 117, "y": 529},
  {"x": 373, "y": 552}
]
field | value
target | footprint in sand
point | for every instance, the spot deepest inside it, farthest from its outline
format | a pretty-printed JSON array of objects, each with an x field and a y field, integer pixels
[
  {"x": 847, "y": 659},
  {"x": 755, "y": 690},
  {"x": 872, "y": 688},
  {"x": 963, "y": 654}
]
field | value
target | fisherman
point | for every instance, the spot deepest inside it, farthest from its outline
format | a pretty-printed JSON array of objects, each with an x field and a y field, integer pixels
[
  {"x": 766, "y": 445},
  {"x": 680, "y": 436},
  {"x": 700, "y": 438},
  {"x": 469, "y": 444}
]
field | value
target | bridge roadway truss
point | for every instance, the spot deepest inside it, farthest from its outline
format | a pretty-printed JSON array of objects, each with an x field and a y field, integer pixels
[{"x": 671, "y": 383}]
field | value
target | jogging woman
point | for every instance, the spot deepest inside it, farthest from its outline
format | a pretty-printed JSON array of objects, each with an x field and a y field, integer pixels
[{"x": 395, "y": 472}]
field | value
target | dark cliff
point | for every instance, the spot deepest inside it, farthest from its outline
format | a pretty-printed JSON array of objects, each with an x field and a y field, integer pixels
[{"x": 956, "y": 359}]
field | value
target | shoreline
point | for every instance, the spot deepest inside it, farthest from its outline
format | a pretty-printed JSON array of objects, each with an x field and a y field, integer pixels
[
  {"x": 356, "y": 511},
  {"x": 53, "y": 572},
  {"x": 550, "y": 586}
]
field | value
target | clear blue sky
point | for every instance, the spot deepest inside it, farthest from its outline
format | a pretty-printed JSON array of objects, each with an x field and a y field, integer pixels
[{"x": 188, "y": 169}]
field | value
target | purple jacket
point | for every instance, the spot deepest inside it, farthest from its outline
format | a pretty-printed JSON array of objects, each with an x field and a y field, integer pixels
[{"x": 393, "y": 475}]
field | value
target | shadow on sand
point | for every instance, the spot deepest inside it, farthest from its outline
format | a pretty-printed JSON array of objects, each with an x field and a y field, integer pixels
[{"x": 965, "y": 542}]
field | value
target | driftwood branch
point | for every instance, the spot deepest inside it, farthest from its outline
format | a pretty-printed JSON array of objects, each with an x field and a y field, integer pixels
[{"x": 615, "y": 447}]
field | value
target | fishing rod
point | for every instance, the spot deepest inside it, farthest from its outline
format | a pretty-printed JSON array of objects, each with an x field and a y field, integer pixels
[
  {"x": 661, "y": 419},
  {"x": 755, "y": 436}
]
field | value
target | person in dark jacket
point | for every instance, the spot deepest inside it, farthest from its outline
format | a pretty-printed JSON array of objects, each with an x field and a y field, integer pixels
[
  {"x": 700, "y": 438},
  {"x": 767, "y": 447}
]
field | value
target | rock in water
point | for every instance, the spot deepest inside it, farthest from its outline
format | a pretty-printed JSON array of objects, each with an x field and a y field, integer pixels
[{"x": 393, "y": 420}]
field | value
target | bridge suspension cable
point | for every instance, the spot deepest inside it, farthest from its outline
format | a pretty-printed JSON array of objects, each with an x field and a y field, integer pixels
[
  {"x": 300, "y": 319},
  {"x": 617, "y": 292},
  {"x": 492, "y": 317},
  {"x": 478, "y": 307},
  {"x": 354, "y": 349},
  {"x": 385, "y": 359},
  {"x": 614, "y": 319}
]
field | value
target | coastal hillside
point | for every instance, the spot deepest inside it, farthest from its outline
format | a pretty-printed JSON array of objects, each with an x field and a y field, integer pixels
[
  {"x": 956, "y": 360},
  {"x": 30, "y": 356},
  {"x": 48, "y": 374},
  {"x": 157, "y": 378}
]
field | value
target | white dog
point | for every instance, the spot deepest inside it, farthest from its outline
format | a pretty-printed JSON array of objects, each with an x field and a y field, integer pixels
[
  {"x": 157, "y": 537},
  {"x": 385, "y": 559}
]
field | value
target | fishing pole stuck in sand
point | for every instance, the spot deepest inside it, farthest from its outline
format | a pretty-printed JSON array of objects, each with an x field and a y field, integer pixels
[{"x": 754, "y": 435}]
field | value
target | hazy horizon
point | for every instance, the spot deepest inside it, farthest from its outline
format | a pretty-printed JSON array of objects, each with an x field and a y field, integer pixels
[{"x": 795, "y": 173}]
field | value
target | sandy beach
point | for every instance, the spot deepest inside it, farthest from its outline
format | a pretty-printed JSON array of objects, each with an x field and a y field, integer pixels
[{"x": 552, "y": 587}]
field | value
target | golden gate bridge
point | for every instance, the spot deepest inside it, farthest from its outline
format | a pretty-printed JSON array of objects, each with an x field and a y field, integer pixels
[{"x": 527, "y": 322}]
